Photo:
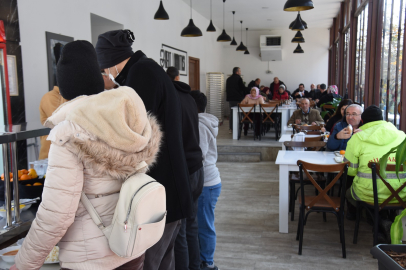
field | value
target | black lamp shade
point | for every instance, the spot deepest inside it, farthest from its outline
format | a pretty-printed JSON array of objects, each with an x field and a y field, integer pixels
[
  {"x": 298, "y": 49},
  {"x": 293, "y": 23},
  {"x": 298, "y": 25},
  {"x": 224, "y": 37},
  {"x": 241, "y": 48},
  {"x": 298, "y": 38},
  {"x": 161, "y": 13},
  {"x": 211, "y": 27},
  {"x": 234, "y": 43},
  {"x": 191, "y": 30},
  {"x": 298, "y": 5},
  {"x": 246, "y": 51}
]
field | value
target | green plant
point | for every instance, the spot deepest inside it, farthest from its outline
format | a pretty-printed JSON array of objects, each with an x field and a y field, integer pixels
[
  {"x": 400, "y": 158},
  {"x": 335, "y": 103}
]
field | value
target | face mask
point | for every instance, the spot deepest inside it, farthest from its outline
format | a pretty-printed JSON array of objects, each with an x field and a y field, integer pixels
[{"x": 112, "y": 78}]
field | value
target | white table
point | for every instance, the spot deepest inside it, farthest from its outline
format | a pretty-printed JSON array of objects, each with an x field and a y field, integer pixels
[
  {"x": 287, "y": 161},
  {"x": 285, "y": 111}
]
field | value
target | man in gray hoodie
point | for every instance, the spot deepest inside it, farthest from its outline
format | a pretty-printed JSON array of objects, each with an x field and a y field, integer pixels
[{"x": 208, "y": 130}]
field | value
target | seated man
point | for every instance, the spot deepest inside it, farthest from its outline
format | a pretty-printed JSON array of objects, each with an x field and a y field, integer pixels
[
  {"x": 314, "y": 93},
  {"x": 341, "y": 132},
  {"x": 255, "y": 83},
  {"x": 300, "y": 92},
  {"x": 375, "y": 140},
  {"x": 306, "y": 115}
]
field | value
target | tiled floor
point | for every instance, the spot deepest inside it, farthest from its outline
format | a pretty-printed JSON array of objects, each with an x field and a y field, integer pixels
[{"x": 247, "y": 228}]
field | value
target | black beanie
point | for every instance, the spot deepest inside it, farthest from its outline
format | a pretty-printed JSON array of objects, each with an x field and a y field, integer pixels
[
  {"x": 371, "y": 114},
  {"x": 78, "y": 72},
  {"x": 114, "y": 47}
]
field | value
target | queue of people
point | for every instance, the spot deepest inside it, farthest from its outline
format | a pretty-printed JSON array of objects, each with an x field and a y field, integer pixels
[{"x": 149, "y": 122}]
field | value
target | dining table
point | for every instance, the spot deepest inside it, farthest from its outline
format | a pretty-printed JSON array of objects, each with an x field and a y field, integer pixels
[
  {"x": 287, "y": 161},
  {"x": 285, "y": 110}
]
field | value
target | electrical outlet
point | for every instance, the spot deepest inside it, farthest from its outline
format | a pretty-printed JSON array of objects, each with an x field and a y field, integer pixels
[{"x": 268, "y": 72}]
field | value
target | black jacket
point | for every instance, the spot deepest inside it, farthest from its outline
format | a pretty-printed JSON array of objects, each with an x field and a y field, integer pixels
[
  {"x": 252, "y": 84},
  {"x": 161, "y": 99},
  {"x": 235, "y": 88},
  {"x": 314, "y": 94},
  {"x": 324, "y": 98},
  {"x": 273, "y": 84},
  {"x": 306, "y": 93},
  {"x": 332, "y": 121},
  {"x": 190, "y": 127}
]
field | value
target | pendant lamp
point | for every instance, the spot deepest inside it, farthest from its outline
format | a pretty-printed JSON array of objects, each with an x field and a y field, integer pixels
[
  {"x": 298, "y": 24},
  {"x": 298, "y": 5},
  {"x": 246, "y": 42},
  {"x": 224, "y": 37},
  {"x": 303, "y": 22},
  {"x": 298, "y": 49},
  {"x": 241, "y": 48},
  {"x": 161, "y": 13},
  {"x": 298, "y": 38},
  {"x": 233, "y": 43},
  {"x": 211, "y": 27},
  {"x": 191, "y": 30}
]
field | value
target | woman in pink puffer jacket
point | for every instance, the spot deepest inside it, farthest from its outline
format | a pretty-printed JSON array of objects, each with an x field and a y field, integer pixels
[{"x": 98, "y": 141}]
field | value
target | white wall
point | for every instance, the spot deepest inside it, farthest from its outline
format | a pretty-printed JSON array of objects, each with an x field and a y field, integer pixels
[
  {"x": 100, "y": 25},
  {"x": 72, "y": 18},
  {"x": 307, "y": 68}
]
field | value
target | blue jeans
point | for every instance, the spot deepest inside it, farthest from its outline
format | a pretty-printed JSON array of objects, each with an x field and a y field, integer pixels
[{"x": 205, "y": 219}]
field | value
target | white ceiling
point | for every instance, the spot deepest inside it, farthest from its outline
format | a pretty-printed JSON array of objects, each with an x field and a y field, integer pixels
[{"x": 265, "y": 14}]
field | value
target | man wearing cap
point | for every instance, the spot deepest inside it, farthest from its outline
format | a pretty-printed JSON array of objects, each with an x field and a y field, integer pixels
[
  {"x": 375, "y": 140},
  {"x": 149, "y": 80}
]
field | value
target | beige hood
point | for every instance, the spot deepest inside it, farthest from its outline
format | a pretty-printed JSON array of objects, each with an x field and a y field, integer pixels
[{"x": 121, "y": 133}]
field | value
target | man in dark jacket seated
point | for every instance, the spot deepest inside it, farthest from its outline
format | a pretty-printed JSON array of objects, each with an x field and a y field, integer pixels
[
  {"x": 253, "y": 83},
  {"x": 325, "y": 96},
  {"x": 300, "y": 92},
  {"x": 314, "y": 93}
]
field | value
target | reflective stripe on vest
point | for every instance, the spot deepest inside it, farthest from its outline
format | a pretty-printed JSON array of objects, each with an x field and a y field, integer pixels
[
  {"x": 352, "y": 165},
  {"x": 388, "y": 175}
]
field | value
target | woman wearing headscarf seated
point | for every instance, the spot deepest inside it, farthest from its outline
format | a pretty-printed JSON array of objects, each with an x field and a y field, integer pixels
[
  {"x": 338, "y": 115},
  {"x": 282, "y": 94},
  {"x": 254, "y": 98}
]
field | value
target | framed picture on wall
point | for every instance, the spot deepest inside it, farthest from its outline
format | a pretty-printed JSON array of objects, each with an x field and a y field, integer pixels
[
  {"x": 172, "y": 57},
  {"x": 55, "y": 43},
  {"x": 12, "y": 75}
]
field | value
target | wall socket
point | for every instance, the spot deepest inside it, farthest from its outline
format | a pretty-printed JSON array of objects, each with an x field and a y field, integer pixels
[{"x": 268, "y": 72}]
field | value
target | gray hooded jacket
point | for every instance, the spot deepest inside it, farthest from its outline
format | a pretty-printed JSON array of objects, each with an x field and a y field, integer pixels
[{"x": 208, "y": 130}]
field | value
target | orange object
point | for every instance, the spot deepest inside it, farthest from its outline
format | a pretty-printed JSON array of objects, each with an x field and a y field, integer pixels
[
  {"x": 25, "y": 177},
  {"x": 2, "y": 176},
  {"x": 20, "y": 173},
  {"x": 24, "y": 171},
  {"x": 33, "y": 173},
  {"x": 28, "y": 185},
  {"x": 37, "y": 184},
  {"x": 342, "y": 152}
]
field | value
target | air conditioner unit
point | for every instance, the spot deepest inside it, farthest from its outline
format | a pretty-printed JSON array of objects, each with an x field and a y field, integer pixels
[{"x": 271, "y": 48}]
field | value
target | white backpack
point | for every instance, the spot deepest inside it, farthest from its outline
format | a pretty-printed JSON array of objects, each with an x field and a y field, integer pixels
[{"x": 139, "y": 219}]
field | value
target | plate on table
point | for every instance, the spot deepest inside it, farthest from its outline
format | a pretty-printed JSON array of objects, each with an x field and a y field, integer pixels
[
  {"x": 338, "y": 159},
  {"x": 53, "y": 256},
  {"x": 9, "y": 254}
]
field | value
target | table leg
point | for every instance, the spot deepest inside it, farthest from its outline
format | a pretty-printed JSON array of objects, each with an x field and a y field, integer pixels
[
  {"x": 7, "y": 188},
  {"x": 283, "y": 199},
  {"x": 235, "y": 123},
  {"x": 284, "y": 123}
]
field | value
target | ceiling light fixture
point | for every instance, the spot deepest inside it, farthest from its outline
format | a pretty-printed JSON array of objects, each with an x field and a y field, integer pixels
[
  {"x": 211, "y": 27},
  {"x": 298, "y": 38},
  {"x": 191, "y": 30},
  {"x": 224, "y": 37},
  {"x": 298, "y": 24},
  {"x": 246, "y": 42},
  {"x": 298, "y": 17},
  {"x": 161, "y": 13},
  {"x": 241, "y": 48},
  {"x": 298, "y": 49},
  {"x": 298, "y": 5},
  {"x": 233, "y": 43}
]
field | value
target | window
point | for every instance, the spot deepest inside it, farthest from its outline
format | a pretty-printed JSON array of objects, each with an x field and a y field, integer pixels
[
  {"x": 360, "y": 56},
  {"x": 346, "y": 62},
  {"x": 391, "y": 58},
  {"x": 337, "y": 73}
]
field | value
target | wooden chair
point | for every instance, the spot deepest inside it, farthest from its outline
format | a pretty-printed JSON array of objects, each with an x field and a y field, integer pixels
[
  {"x": 244, "y": 111},
  {"x": 266, "y": 118},
  {"x": 374, "y": 208},
  {"x": 294, "y": 177},
  {"x": 311, "y": 130},
  {"x": 322, "y": 202},
  {"x": 330, "y": 108},
  {"x": 312, "y": 139}
]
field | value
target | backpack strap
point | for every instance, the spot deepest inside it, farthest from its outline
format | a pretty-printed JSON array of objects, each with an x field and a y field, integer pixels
[{"x": 92, "y": 211}]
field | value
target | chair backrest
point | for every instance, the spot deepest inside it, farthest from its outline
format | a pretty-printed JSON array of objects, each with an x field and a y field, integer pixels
[
  {"x": 267, "y": 115},
  {"x": 312, "y": 139},
  {"x": 307, "y": 129},
  {"x": 310, "y": 145},
  {"x": 312, "y": 104},
  {"x": 375, "y": 167},
  {"x": 341, "y": 170},
  {"x": 326, "y": 107},
  {"x": 246, "y": 109}
]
